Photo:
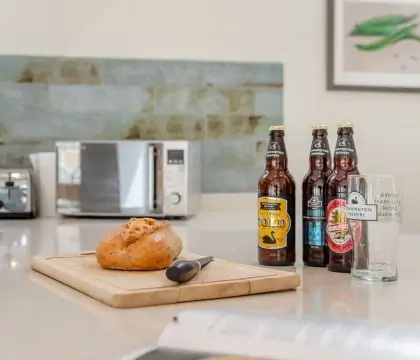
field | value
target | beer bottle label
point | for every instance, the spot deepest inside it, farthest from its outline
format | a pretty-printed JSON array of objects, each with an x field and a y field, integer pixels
[
  {"x": 314, "y": 221},
  {"x": 274, "y": 150},
  {"x": 274, "y": 222},
  {"x": 340, "y": 236},
  {"x": 344, "y": 147},
  {"x": 319, "y": 148}
]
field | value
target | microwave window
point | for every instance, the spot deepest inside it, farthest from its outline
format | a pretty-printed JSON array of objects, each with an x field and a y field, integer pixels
[{"x": 176, "y": 157}]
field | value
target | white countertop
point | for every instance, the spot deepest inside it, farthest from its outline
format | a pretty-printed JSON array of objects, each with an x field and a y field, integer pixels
[{"x": 43, "y": 319}]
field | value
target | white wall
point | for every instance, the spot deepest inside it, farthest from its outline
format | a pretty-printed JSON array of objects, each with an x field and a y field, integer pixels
[{"x": 292, "y": 31}]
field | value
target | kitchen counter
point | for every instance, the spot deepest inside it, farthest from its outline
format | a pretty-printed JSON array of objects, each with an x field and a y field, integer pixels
[{"x": 44, "y": 319}]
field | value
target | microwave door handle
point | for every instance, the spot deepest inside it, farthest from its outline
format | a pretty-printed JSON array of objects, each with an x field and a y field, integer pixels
[{"x": 152, "y": 178}]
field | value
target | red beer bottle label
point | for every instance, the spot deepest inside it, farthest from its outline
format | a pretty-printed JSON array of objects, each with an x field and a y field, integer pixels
[{"x": 339, "y": 234}]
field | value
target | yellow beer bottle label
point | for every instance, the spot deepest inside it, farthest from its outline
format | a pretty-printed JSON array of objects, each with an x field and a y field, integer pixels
[{"x": 273, "y": 222}]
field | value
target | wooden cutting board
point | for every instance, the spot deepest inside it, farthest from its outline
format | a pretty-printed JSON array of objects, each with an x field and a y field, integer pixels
[{"x": 130, "y": 289}]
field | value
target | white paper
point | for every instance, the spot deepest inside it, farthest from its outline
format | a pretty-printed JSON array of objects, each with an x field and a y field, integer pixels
[{"x": 291, "y": 338}]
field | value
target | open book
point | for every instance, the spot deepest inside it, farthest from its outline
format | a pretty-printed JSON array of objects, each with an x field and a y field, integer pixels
[{"x": 223, "y": 334}]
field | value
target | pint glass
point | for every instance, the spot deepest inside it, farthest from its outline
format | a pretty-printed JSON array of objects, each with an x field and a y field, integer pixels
[{"x": 374, "y": 205}]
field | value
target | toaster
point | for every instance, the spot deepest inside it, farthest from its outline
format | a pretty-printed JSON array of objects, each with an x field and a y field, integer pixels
[{"x": 17, "y": 200}]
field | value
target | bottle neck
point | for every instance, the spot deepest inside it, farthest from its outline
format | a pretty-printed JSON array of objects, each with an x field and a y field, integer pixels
[
  {"x": 345, "y": 155},
  {"x": 320, "y": 154},
  {"x": 276, "y": 158}
]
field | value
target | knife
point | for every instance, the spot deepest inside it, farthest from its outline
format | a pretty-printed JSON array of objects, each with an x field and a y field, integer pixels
[{"x": 182, "y": 271}]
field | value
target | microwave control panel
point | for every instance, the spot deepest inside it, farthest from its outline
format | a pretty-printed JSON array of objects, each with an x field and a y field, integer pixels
[
  {"x": 175, "y": 180},
  {"x": 175, "y": 157}
]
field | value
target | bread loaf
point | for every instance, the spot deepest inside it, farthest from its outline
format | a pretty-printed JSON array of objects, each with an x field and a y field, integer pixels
[{"x": 141, "y": 244}]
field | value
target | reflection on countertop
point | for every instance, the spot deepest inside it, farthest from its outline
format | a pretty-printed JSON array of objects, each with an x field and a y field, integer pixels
[{"x": 54, "y": 321}]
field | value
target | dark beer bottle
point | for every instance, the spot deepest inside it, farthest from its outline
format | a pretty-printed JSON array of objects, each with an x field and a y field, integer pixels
[
  {"x": 315, "y": 249},
  {"x": 276, "y": 205},
  {"x": 339, "y": 236}
]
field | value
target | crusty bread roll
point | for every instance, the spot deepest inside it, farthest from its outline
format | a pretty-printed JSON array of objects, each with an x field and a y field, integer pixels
[{"x": 141, "y": 244}]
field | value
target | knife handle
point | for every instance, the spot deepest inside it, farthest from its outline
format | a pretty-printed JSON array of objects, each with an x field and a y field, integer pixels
[{"x": 182, "y": 271}]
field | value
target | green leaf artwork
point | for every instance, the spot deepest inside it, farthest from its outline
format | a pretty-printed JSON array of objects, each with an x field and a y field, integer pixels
[{"x": 392, "y": 29}]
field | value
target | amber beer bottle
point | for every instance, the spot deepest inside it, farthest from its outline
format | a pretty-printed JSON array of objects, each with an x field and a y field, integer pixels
[
  {"x": 315, "y": 249},
  {"x": 339, "y": 237},
  {"x": 276, "y": 205}
]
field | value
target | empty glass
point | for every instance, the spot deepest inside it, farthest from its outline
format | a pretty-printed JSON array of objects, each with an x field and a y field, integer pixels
[{"x": 374, "y": 205}]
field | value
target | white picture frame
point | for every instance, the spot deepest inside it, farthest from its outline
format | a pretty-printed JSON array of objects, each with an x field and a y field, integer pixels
[{"x": 373, "y": 45}]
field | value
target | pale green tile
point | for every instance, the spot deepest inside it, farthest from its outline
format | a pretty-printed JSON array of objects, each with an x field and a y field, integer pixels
[
  {"x": 23, "y": 97},
  {"x": 183, "y": 127},
  {"x": 152, "y": 72},
  {"x": 36, "y": 70},
  {"x": 171, "y": 100},
  {"x": 268, "y": 101},
  {"x": 48, "y": 125},
  {"x": 80, "y": 71},
  {"x": 16, "y": 154},
  {"x": 111, "y": 99},
  {"x": 209, "y": 101},
  {"x": 131, "y": 72},
  {"x": 142, "y": 127},
  {"x": 267, "y": 73},
  {"x": 252, "y": 125},
  {"x": 217, "y": 127},
  {"x": 222, "y": 73},
  {"x": 228, "y": 166},
  {"x": 11, "y": 67}
]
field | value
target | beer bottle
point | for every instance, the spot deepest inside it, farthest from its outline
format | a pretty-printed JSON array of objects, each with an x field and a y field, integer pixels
[
  {"x": 315, "y": 249},
  {"x": 339, "y": 236},
  {"x": 276, "y": 205}
]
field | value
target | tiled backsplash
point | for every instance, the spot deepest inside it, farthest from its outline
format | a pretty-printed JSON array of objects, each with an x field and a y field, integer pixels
[{"x": 228, "y": 106}]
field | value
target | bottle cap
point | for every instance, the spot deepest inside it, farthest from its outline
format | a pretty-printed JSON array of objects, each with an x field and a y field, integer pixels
[
  {"x": 345, "y": 125},
  {"x": 319, "y": 127},
  {"x": 276, "y": 127}
]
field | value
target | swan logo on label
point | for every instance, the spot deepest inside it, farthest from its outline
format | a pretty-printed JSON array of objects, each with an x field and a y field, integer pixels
[
  {"x": 357, "y": 209},
  {"x": 356, "y": 198},
  {"x": 340, "y": 230},
  {"x": 273, "y": 222}
]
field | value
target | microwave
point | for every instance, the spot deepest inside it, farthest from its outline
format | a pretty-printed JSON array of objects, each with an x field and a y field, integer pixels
[{"x": 128, "y": 178}]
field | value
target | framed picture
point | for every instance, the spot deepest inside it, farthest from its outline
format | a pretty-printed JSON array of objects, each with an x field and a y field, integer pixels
[{"x": 373, "y": 45}]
